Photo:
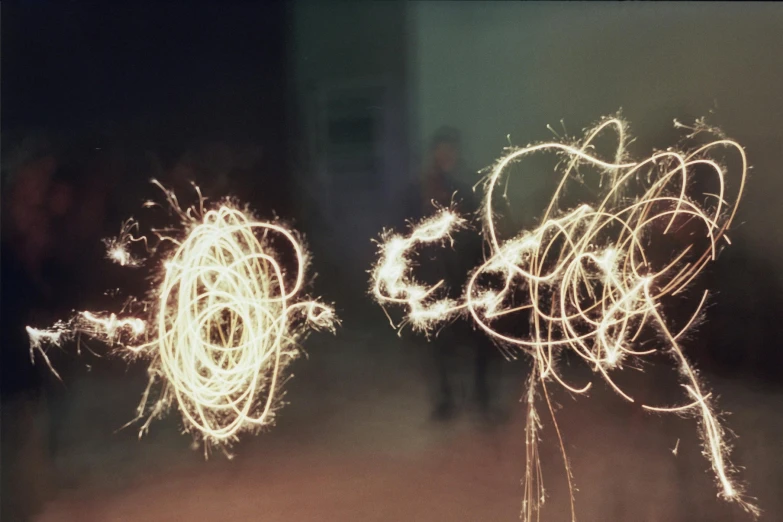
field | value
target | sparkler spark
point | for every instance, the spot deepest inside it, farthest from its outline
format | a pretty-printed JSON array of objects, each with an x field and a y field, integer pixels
[
  {"x": 118, "y": 248},
  {"x": 221, "y": 325},
  {"x": 592, "y": 279}
]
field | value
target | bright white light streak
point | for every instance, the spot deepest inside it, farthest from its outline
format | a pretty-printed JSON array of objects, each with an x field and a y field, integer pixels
[
  {"x": 224, "y": 320},
  {"x": 592, "y": 278}
]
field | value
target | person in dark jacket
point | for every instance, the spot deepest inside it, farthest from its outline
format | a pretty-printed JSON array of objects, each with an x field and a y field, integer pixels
[{"x": 441, "y": 185}]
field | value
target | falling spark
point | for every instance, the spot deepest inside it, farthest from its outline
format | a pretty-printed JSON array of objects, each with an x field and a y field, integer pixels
[
  {"x": 220, "y": 326},
  {"x": 590, "y": 278}
]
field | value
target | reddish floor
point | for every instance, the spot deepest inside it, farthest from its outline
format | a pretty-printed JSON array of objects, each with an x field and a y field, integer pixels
[{"x": 355, "y": 444}]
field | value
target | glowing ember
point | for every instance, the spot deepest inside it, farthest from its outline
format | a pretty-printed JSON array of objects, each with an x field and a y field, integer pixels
[
  {"x": 592, "y": 278},
  {"x": 221, "y": 325}
]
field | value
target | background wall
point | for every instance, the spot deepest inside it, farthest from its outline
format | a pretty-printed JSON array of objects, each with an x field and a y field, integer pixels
[
  {"x": 353, "y": 55},
  {"x": 498, "y": 69}
]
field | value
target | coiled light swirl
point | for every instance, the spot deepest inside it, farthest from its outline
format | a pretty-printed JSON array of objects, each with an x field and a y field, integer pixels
[
  {"x": 223, "y": 322},
  {"x": 592, "y": 279}
]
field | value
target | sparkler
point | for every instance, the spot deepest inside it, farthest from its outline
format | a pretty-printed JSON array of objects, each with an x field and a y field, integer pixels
[
  {"x": 221, "y": 324},
  {"x": 592, "y": 279}
]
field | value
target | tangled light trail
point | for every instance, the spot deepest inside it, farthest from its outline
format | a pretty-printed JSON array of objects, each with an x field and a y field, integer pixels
[
  {"x": 220, "y": 326},
  {"x": 591, "y": 279}
]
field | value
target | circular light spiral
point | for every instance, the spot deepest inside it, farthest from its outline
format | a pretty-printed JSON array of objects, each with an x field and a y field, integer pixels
[{"x": 223, "y": 322}]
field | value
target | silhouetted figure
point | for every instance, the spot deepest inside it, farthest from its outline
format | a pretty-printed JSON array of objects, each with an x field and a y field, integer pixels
[{"x": 440, "y": 185}]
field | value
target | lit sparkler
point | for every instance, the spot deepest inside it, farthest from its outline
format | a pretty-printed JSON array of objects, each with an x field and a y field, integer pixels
[
  {"x": 220, "y": 326},
  {"x": 592, "y": 279}
]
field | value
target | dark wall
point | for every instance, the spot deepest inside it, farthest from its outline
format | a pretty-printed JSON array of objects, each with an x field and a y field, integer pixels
[{"x": 165, "y": 79}]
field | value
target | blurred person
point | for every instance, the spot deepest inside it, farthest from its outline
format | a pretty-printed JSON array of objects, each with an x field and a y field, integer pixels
[
  {"x": 26, "y": 242},
  {"x": 76, "y": 270},
  {"x": 51, "y": 250},
  {"x": 207, "y": 166},
  {"x": 441, "y": 185},
  {"x": 223, "y": 170}
]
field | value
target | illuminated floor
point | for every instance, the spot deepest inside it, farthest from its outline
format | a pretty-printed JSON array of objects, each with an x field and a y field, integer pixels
[{"x": 355, "y": 444}]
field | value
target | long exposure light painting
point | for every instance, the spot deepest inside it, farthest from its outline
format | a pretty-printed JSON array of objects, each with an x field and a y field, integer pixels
[
  {"x": 221, "y": 322},
  {"x": 591, "y": 278}
]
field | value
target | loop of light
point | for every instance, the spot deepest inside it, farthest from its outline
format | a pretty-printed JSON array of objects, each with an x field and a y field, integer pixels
[
  {"x": 588, "y": 278},
  {"x": 225, "y": 320}
]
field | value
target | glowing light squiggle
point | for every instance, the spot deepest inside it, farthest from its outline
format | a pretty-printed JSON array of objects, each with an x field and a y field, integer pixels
[
  {"x": 222, "y": 324},
  {"x": 591, "y": 279}
]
